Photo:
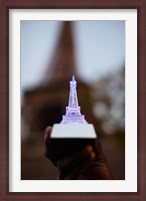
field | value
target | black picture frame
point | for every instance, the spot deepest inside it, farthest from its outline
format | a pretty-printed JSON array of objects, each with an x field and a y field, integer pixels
[{"x": 4, "y": 86}]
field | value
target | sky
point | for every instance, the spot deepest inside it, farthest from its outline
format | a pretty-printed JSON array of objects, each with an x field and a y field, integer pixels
[{"x": 99, "y": 48}]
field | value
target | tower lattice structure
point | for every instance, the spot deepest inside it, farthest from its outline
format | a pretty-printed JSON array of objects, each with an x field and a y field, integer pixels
[{"x": 73, "y": 114}]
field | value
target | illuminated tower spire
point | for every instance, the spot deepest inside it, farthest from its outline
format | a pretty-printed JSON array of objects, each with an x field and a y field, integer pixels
[
  {"x": 73, "y": 100},
  {"x": 73, "y": 114}
]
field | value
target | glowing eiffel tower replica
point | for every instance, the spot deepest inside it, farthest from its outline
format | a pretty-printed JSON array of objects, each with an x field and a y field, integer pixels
[
  {"x": 73, "y": 114},
  {"x": 73, "y": 124}
]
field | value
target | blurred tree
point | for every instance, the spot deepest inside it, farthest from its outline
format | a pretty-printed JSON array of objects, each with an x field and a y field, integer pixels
[{"x": 108, "y": 95}]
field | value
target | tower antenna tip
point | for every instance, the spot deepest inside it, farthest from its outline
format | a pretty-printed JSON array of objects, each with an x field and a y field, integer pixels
[{"x": 73, "y": 78}]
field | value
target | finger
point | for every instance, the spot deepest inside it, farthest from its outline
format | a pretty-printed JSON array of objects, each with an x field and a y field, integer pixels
[
  {"x": 48, "y": 153},
  {"x": 97, "y": 148},
  {"x": 47, "y": 140},
  {"x": 71, "y": 166},
  {"x": 47, "y": 133},
  {"x": 78, "y": 169}
]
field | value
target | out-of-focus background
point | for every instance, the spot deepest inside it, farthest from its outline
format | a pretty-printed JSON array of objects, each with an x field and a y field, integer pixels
[{"x": 51, "y": 52}]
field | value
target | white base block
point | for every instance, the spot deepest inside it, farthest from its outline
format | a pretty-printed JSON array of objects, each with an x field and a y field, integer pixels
[{"x": 73, "y": 131}]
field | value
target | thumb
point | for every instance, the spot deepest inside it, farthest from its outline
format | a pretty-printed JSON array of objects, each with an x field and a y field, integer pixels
[{"x": 47, "y": 140}]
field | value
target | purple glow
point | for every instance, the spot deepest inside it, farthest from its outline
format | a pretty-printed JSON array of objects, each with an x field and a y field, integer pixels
[{"x": 73, "y": 114}]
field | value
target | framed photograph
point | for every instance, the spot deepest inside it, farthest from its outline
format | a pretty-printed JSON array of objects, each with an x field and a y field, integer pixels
[{"x": 43, "y": 44}]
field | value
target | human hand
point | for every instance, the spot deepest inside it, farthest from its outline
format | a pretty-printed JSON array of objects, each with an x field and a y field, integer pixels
[{"x": 89, "y": 163}]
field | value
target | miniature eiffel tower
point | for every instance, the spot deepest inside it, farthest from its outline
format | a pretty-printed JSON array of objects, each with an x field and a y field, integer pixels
[
  {"x": 73, "y": 124},
  {"x": 73, "y": 114}
]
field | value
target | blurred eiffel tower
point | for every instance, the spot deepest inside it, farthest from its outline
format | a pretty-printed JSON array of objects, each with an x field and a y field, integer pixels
[{"x": 45, "y": 104}]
